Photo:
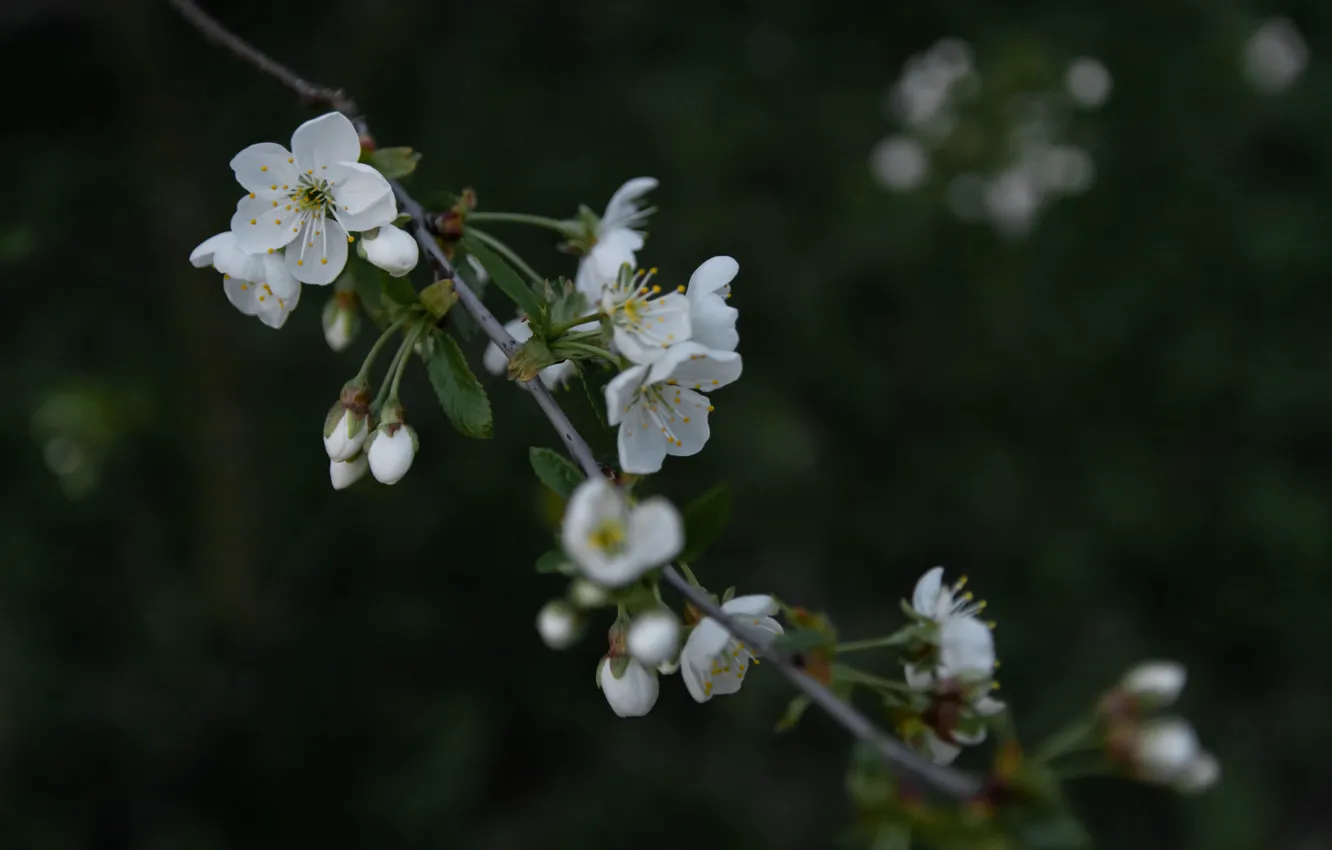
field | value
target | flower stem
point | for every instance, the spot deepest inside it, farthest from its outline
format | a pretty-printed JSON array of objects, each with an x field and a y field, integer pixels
[
  {"x": 689, "y": 574},
  {"x": 521, "y": 218},
  {"x": 851, "y": 674},
  {"x": 406, "y": 354},
  {"x": 509, "y": 254},
  {"x": 382, "y": 396},
  {"x": 592, "y": 350},
  {"x": 562, "y": 327},
  {"x": 364, "y": 374},
  {"x": 1078, "y": 735},
  {"x": 869, "y": 643}
]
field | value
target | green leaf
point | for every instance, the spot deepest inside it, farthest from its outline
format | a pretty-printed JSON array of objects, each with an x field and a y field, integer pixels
[
  {"x": 505, "y": 277},
  {"x": 595, "y": 387},
  {"x": 555, "y": 471},
  {"x": 795, "y": 709},
  {"x": 399, "y": 290},
  {"x": 1057, "y": 830},
  {"x": 705, "y": 518},
  {"x": 395, "y": 163},
  {"x": 460, "y": 393},
  {"x": 554, "y": 561}
]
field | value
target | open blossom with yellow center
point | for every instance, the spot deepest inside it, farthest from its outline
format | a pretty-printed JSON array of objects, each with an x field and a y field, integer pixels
[
  {"x": 712, "y": 661},
  {"x": 308, "y": 199},
  {"x": 615, "y": 239},
  {"x": 614, "y": 543},
  {"x": 256, "y": 284},
  {"x": 645, "y": 323},
  {"x": 660, "y": 407}
]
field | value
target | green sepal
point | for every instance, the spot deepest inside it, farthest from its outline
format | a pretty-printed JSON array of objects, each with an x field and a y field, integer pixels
[
  {"x": 554, "y": 561},
  {"x": 795, "y": 709},
  {"x": 438, "y": 298},
  {"x": 395, "y": 163},
  {"x": 618, "y": 666}
]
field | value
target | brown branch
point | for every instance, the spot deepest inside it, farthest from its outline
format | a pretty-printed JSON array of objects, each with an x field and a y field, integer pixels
[{"x": 944, "y": 779}]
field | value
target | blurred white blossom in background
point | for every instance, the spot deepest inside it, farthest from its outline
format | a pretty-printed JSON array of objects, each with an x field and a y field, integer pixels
[{"x": 1274, "y": 56}]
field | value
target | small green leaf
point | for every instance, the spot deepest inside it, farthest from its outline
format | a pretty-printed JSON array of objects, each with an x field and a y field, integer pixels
[
  {"x": 505, "y": 277},
  {"x": 594, "y": 384},
  {"x": 554, "y": 561},
  {"x": 438, "y": 298},
  {"x": 460, "y": 393},
  {"x": 555, "y": 471},
  {"x": 398, "y": 290},
  {"x": 1056, "y": 830},
  {"x": 401, "y": 220},
  {"x": 795, "y": 709},
  {"x": 705, "y": 518},
  {"x": 395, "y": 163}
]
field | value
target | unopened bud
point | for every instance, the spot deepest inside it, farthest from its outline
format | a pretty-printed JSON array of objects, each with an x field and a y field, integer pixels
[
  {"x": 654, "y": 637},
  {"x": 392, "y": 249},
  {"x": 392, "y": 448},
  {"x": 448, "y": 225},
  {"x": 348, "y": 422},
  {"x": 1155, "y": 684},
  {"x": 558, "y": 624},
  {"x": 1201, "y": 774},
  {"x": 1164, "y": 749},
  {"x": 633, "y": 692},
  {"x": 344, "y": 474},
  {"x": 342, "y": 320},
  {"x": 587, "y": 594}
]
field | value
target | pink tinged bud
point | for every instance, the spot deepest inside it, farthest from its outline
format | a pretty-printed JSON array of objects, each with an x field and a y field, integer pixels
[
  {"x": 558, "y": 624},
  {"x": 1155, "y": 684},
  {"x": 392, "y": 249},
  {"x": 346, "y": 437},
  {"x": 344, "y": 474},
  {"x": 391, "y": 452},
  {"x": 654, "y": 638}
]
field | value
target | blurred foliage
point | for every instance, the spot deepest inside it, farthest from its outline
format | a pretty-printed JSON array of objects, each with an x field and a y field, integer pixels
[{"x": 1120, "y": 426}]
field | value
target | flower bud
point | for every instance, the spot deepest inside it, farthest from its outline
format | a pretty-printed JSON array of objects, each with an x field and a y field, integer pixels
[
  {"x": 1202, "y": 773},
  {"x": 1164, "y": 749},
  {"x": 633, "y": 693},
  {"x": 666, "y": 668},
  {"x": 1155, "y": 684},
  {"x": 342, "y": 321},
  {"x": 558, "y": 624},
  {"x": 587, "y": 594},
  {"x": 392, "y": 450},
  {"x": 392, "y": 249},
  {"x": 654, "y": 637},
  {"x": 344, "y": 474},
  {"x": 348, "y": 422}
]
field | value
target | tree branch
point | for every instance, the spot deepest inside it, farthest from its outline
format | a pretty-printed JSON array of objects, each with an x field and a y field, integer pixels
[{"x": 943, "y": 779}]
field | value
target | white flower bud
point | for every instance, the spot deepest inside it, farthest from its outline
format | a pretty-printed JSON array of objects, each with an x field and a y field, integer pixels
[
  {"x": 1202, "y": 773},
  {"x": 666, "y": 668},
  {"x": 558, "y": 625},
  {"x": 391, "y": 452},
  {"x": 344, "y": 474},
  {"x": 346, "y": 437},
  {"x": 631, "y": 695},
  {"x": 392, "y": 249},
  {"x": 1155, "y": 683},
  {"x": 654, "y": 637},
  {"x": 1164, "y": 749},
  {"x": 588, "y": 594},
  {"x": 342, "y": 322}
]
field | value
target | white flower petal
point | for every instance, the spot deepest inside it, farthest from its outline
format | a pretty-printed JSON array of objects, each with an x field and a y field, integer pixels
[
  {"x": 712, "y": 322},
  {"x": 325, "y": 141},
  {"x": 631, "y": 695},
  {"x": 658, "y": 323},
  {"x": 623, "y": 208},
  {"x": 558, "y": 374},
  {"x": 641, "y": 445},
  {"x": 391, "y": 455},
  {"x": 713, "y": 275},
  {"x": 966, "y": 649},
  {"x": 260, "y": 166},
  {"x": 344, "y": 474},
  {"x": 242, "y": 294},
  {"x": 260, "y": 226},
  {"x": 362, "y": 198},
  {"x": 687, "y": 423},
  {"x": 653, "y": 637},
  {"x": 393, "y": 250},
  {"x": 621, "y": 392},
  {"x": 939, "y": 750},
  {"x": 751, "y": 605},
  {"x": 320, "y": 254},
  {"x": 697, "y": 367},
  {"x": 202, "y": 256},
  {"x": 926, "y": 594},
  {"x": 656, "y": 532},
  {"x": 279, "y": 280}
]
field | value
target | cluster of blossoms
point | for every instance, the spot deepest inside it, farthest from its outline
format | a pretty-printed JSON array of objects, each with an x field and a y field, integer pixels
[
  {"x": 614, "y": 545},
  {"x": 295, "y": 223},
  {"x": 1160, "y": 750}
]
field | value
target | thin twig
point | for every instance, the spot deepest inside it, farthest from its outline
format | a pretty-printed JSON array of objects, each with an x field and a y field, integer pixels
[{"x": 944, "y": 779}]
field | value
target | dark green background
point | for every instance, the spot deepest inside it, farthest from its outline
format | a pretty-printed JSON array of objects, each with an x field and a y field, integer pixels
[{"x": 1120, "y": 428}]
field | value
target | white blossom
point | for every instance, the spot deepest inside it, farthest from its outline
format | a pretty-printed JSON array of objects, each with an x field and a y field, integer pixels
[
  {"x": 660, "y": 407},
  {"x": 1155, "y": 683},
  {"x": 712, "y": 661},
  {"x": 256, "y": 284},
  {"x": 1088, "y": 81},
  {"x": 1165, "y": 749},
  {"x": 643, "y": 322},
  {"x": 392, "y": 449},
  {"x": 615, "y": 238},
  {"x": 392, "y": 249},
  {"x": 344, "y": 440},
  {"x": 935, "y": 601},
  {"x": 554, "y": 375},
  {"x": 654, "y": 637},
  {"x": 711, "y": 319},
  {"x": 613, "y": 543},
  {"x": 308, "y": 199},
  {"x": 344, "y": 474},
  {"x": 631, "y": 695},
  {"x": 1202, "y": 772},
  {"x": 557, "y": 623}
]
